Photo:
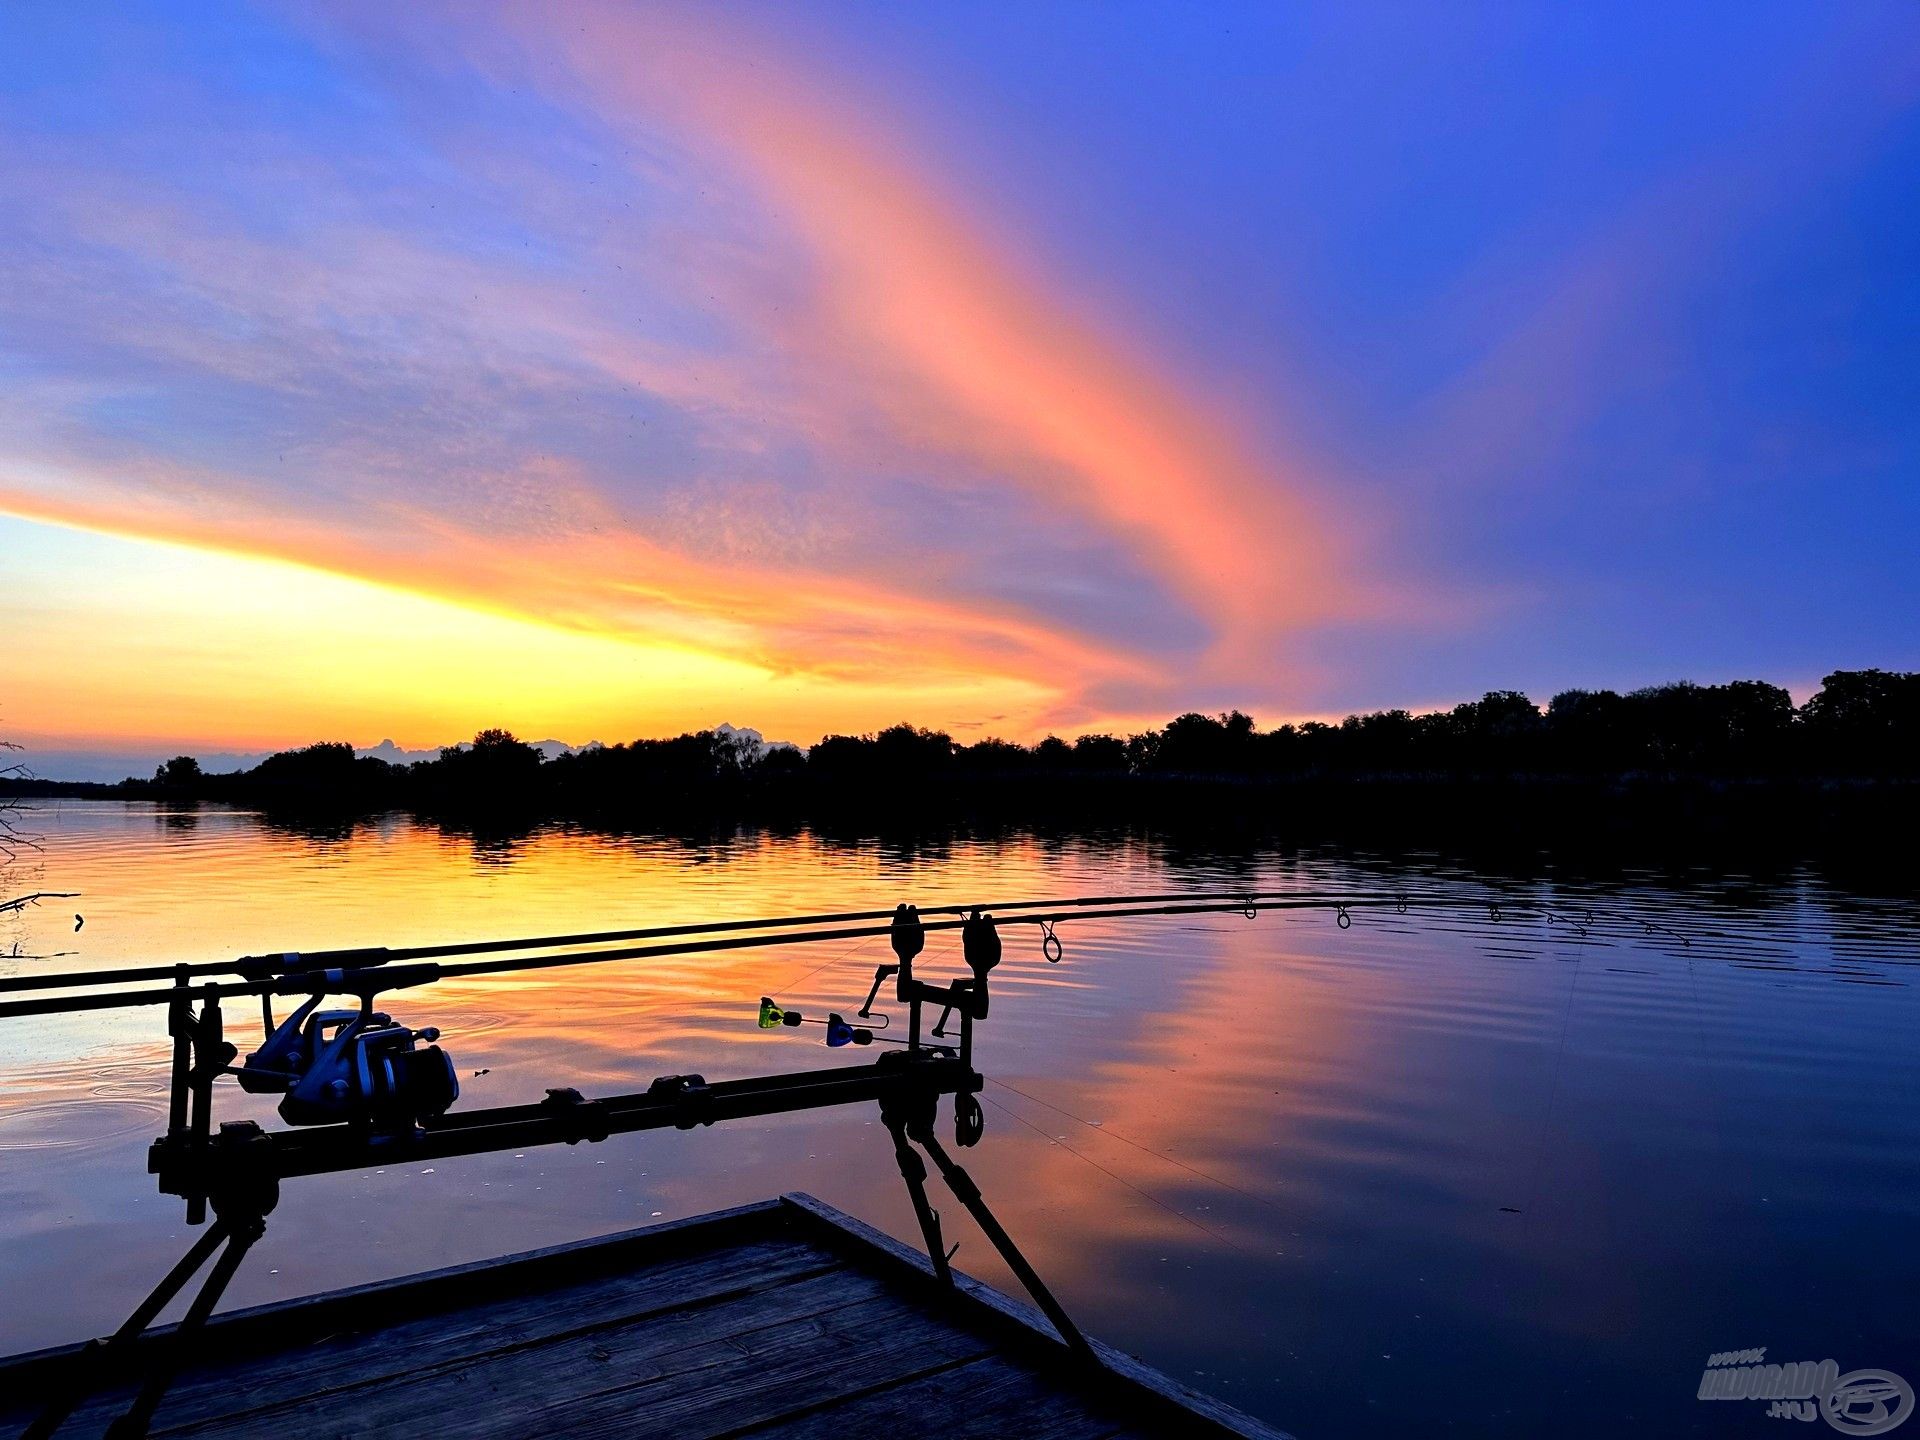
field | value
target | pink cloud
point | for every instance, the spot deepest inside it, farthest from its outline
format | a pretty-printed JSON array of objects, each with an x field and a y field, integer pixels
[{"x": 915, "y": 315}]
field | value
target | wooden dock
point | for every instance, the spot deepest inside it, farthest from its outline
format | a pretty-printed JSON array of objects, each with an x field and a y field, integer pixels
[{"x": 787, "y": 1320}]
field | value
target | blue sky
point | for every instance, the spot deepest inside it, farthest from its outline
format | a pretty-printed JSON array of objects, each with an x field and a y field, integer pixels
[{"x": 999, "y": 367}]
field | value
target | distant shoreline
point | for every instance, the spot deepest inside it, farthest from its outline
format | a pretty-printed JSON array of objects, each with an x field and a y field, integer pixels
[{"x": 1720, "y": 761}]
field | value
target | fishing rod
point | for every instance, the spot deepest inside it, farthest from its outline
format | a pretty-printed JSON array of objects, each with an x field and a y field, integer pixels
[
  {"x": 354, "y": 979},
  {"x": 260, "y": 966}
]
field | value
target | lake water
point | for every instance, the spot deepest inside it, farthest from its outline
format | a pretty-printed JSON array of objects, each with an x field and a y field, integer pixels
[{"x": 1431, "y": 1174}]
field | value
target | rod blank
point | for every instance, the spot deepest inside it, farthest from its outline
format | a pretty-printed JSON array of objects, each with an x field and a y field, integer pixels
[
  {"x": 341, "y": 981},
  {"x": 258, "y": 966}
]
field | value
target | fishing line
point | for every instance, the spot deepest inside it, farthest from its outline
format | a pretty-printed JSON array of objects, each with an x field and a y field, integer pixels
[
  {"x": 1553, "y": 1093},
  {"x": 855, "y": 949},
  {"x": 1143, "y": 1149},
  {"x": 1117, "y": 1179}
]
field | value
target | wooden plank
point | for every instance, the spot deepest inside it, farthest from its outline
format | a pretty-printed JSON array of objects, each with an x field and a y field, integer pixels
[
  {"x": 780, "y": 1372},
  {"x": 1162, "y": 1398},
  {"x": 262, "y": 1328},
  {"x": 510, "y": 1392},
  {"x": 467, "y": 1336},
  {"x": 986, "y": 1399}
]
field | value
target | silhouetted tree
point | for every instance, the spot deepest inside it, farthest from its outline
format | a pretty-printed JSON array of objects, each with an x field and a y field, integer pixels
[
  {"x": 904, "y": 750},
  {"x": 182, "y": 772},
  {"x": 1196, "y": 744},
  {"x": 1590, "y": 731},
  {"x": 1866, "y": 721},
  {"x": 326, "y": 776},
  {"x": 1386, "y": 740},
  {"x": 1100, "y": 754},
  {"x": 995, "y": 757},
  {"x": 900, "y": 754},
  {"x": 1053, "y": 753},
  {"x": 498, "y": 765},
  {"x": 1143, "y": 751},
  {"x": 783, "y": 763}
]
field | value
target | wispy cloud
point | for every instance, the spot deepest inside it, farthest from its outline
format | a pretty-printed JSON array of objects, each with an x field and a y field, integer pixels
[{"x": 926, "y": 324}]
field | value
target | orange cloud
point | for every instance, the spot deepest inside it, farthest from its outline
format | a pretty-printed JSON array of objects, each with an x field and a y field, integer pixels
[
  {"x": 611, "y": 582},
  {"x": 965, "y": 349}
]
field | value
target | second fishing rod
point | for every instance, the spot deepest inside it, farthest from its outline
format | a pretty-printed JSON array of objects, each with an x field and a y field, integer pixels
[
  {"x": 382, "y": 976},
  {"x": 256, "y": 967}
]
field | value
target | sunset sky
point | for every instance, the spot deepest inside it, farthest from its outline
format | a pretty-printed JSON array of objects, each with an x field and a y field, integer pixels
[{"x": 610, "y": 371}]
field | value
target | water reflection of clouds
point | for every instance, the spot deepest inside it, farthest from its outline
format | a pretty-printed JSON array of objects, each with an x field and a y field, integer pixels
[{"x": 1292, "y": 1118}]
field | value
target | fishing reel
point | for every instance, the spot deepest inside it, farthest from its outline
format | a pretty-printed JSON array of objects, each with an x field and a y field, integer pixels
[{"x": 355, "y": 1067}]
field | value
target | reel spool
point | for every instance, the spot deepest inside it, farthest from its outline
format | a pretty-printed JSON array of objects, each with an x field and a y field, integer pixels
[{"x": 355, "y": 1067}]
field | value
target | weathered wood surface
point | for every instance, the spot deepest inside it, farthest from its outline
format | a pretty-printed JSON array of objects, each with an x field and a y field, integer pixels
[{"x": 785, "y": 1320}]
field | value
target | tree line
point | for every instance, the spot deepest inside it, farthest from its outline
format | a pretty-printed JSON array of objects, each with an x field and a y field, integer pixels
[{"x": 1862, "y": 725}]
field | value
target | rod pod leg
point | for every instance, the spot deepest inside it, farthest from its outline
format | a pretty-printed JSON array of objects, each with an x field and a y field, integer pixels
[
  {"x": 913, "y": 1170},
  {"x": 79, "y": 1379},
  {"x": 968, "y": 1193},
  {"x": 238, "y": 1237},
  {"x": 133, "y": 1424}
]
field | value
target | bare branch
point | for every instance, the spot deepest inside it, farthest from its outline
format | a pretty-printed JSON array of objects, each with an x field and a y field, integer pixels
[
  {"x": 16, "y": 953},
  {"x": 13, "y": 841},
  {"x": 21, "y": 902},
  {"x": 12, "y": 838}
]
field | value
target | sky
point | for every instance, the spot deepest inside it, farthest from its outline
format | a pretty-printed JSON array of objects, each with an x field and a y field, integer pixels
[{"x": 615, "y": 370}]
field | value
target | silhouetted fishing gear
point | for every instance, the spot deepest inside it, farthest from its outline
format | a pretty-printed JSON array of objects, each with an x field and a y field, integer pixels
[
  {"x": 257, "y": 967},
  {"x": 380, "y": 975}
]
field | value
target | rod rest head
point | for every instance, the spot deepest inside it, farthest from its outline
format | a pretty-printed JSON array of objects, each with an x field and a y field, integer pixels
[
  {"x": 234, "y": 1169},
  {"x": 907, "y": 935},
  {"x": 584, "y": 1119},
  {"x": 691, "y": 1096}
]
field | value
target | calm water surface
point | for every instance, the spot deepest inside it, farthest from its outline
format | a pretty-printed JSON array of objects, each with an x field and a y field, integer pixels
[{"x": 1430, "y": 1174}]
